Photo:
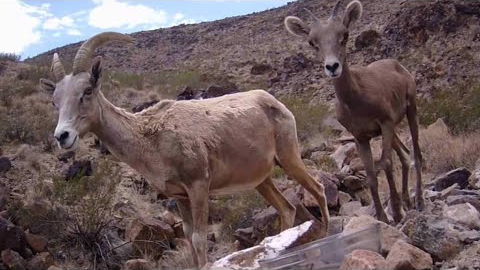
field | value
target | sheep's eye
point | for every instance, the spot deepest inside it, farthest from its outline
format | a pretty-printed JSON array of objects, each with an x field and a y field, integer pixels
[
  {"x": 88, "y": 91},
  {"x": 53, "y": 103}
]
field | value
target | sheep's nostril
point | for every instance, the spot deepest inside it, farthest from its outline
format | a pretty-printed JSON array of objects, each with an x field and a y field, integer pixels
[
  {"x": 62, "y": 137},
  {"x": 332, "y": 68}
]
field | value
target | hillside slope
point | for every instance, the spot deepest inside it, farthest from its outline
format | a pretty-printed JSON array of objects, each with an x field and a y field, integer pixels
[{"x": 436, "y": 40}]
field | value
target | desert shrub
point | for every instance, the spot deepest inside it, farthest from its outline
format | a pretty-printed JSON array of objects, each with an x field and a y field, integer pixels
[
  {"x": 459, "y": 109},
  {"x": 443, "y": 152},
  {"x": 33, "y": 74},
  {"x": 10, "y": 57},
  {"x": 78, "y": 213},
  {"x": 326, "y": 164},
  {"x": 308, "y": 117},
  {"x": 27, "y": 121}
]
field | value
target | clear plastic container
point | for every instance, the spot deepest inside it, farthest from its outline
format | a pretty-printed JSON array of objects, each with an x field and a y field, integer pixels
[{"x": 326, "y": 253}]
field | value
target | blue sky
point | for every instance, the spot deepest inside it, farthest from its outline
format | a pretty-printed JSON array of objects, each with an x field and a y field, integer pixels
[{"x": 32, "y": 27}]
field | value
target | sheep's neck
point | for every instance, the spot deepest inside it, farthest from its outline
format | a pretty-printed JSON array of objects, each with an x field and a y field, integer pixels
[
  {"x": 116, "y": 129},
  {"x": 345, "y": 86}
]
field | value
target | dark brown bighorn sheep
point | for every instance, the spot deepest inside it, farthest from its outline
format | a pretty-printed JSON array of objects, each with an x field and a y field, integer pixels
[
  {"x": 190, "y": 149},
  {"x": 371, "y": 101}
]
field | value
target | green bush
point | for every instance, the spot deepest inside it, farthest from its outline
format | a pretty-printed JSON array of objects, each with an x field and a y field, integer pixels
[
  {"x": 459, "y": 109},
  {"x": 308, "y": 117}
]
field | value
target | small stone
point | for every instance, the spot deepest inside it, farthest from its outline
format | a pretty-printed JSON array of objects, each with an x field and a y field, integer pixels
[
  {"x": 245, "y": 237},
  {"x": 40, "y": 261},
  {"x": 404, "y": 256},
  {"x": 349, "y": 209},
  {"x": 37, "y": 243},
  {"x": 446, "y": 192},
  {"x": 168, "y": 217},
  {"x": 138, "y": 264},
  {"x": 5, "y": 164},
  {"x": 363, "y": 260},
  {"x": 353, "y": 183},
  {"x": 149, "y": 234},
  {"x": 344, "y": 198},
  {"x": 13, "y": 260}
]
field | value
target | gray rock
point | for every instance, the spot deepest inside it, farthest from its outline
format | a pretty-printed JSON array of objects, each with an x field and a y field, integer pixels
[{"x": 459, "y": 176}]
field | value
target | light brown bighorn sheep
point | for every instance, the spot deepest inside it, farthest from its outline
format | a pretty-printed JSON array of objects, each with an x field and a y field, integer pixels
[
  {"x": 371, "y": 101},
  {"x": 186, "y": 149}
]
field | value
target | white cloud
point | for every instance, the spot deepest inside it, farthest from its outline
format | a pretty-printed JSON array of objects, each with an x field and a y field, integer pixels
[
  {"x": 73, "y": 32},
  {"x": 115, "y": 14},
  {"x": 18, "y": 25},
  {"x": 56, "y": 23}
]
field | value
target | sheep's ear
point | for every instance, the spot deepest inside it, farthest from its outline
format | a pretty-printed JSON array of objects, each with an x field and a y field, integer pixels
[
  {"x": 96, "y": 72},
  {"x": 353, "y": 13},
  {"x": 296, "y": 26},
  {"x": 47, "y": 86}
]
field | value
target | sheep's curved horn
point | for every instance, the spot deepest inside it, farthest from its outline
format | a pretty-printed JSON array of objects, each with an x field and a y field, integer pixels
[
  {"x": 57, "y": 68},
  {"x": 336, "y": 8},
  {"x": 311, "y": 14},
  {"x": 84, "y": 54}
]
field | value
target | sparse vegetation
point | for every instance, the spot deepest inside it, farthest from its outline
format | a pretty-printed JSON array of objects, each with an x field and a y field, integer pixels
[
  {"x": 308, "y": 116},
  {"x": 443, "y": 152},
  {"x": 129, "y": 79},
  {"x": 10, "y": 57},
  {"x": 78, "y": 213},
  {"x": 459, "y": 109}
]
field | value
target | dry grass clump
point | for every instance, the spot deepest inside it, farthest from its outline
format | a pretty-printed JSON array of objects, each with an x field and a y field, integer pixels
[{"x": 443, "y": 152}]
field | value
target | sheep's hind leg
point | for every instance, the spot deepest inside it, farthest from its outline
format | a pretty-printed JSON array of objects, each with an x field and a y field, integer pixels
[
  {"x": 272, "y": 195},
  {"x": 404, "y": 156}
]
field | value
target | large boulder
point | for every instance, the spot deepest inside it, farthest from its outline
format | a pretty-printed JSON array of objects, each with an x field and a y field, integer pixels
[
  {"x": 458, "y": 176},
  {"x": 363, "y": 260},
  {"x": 389, "y": 234},
  {"x": 463, "y": 213},
  {"x": 12, "y": 237},
  {"x": 438, "y": 236},
  {"x": 474, "y": 200},
  {"x": 404, "y": 256},
  {"x": 13, "y": 260},
  {"x": 270, "y": 247}
]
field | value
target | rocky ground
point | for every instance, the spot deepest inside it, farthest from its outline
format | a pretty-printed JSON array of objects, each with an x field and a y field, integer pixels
[{"x": 87, "y": 210}]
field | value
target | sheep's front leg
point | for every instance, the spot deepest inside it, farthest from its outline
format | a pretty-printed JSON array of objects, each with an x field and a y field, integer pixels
[
  {"x": 186, "y": 213},
  {"x": 198, "y": 196}
]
